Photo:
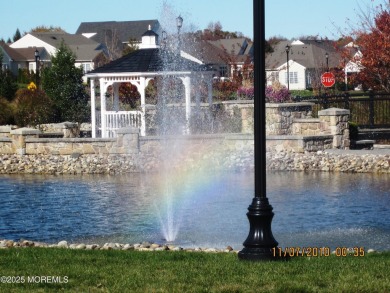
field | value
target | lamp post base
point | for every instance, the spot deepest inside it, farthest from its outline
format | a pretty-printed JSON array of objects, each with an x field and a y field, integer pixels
[{"x": 260, "y": 243}]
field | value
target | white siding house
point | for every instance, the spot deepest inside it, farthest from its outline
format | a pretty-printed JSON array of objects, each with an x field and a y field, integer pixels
[
  {"x": 297, "y": 74},
  {"x": 85, "y": 50},
  {"x": 306, "y": 62}
]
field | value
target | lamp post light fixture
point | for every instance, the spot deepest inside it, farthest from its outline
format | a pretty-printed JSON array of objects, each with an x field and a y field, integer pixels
[
  {"x": 37, "y": 59},
  {"x": 164, "y": 37},
  {"x": 179, "y": 24},
  {"x": 327, "y": 61},
  {"x": 260, "y": 243},
  {"x": 288, "y": 47}
]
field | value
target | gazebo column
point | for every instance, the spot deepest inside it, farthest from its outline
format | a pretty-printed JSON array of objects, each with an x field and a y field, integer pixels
[
  {"x": 210, "y": 91},
  {"x": 187, "y": 87},
  {"x": 93, "y": 108},
  {"x": 141, "y": 87},
  {"x": 103, "y": 89},
  {"x": 198, "y": 85},
  {"x": 143, "y": 83},
  {"x": 116, "y": 96}
]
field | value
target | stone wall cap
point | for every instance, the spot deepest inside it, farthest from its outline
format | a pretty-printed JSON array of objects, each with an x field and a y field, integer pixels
[
  {"x": 306, "y": 120},
  {"x": 7, "y": 128},
  {"x": 68, "y": 124},
  {"x": 183, "y": 137},
  {"x": 238, "y": 102},
  {"x": 333, "y": 112},
  {"x": 127, "y": 130},
  {"x": 283, "y": 105},
  {"x": 69, "y": 140},
  {"x": 298, "y": 137},
  {"x": 26, "y": 131}
]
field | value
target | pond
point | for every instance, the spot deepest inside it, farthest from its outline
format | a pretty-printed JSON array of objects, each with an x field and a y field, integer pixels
[{"x": 311, "y": 209}]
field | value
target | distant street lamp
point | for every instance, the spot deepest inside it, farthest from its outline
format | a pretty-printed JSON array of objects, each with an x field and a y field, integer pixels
[
  {"x": 288, "y": 66},
  {"x": 327, "y": 61},
  {"x": 179, "y": 24},
  {"x": 37, "y": 59}
]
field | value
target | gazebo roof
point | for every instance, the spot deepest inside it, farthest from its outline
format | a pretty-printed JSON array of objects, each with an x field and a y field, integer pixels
[{"x": 148, "y": 61}]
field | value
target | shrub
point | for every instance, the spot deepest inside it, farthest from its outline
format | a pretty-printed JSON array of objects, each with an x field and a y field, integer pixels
[
  {"x": 353, "y": 130},
  {"x": 246, "y": 93},
  {"x": 6, "y": 113},
  {"x": 225, "y": 90},
  {"x": 277, "y": 94},
  {"x": 32, "y": 106}
]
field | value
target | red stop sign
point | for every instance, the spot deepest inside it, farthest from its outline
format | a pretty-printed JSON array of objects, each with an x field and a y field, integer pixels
[{"x": 327, "y": 79}]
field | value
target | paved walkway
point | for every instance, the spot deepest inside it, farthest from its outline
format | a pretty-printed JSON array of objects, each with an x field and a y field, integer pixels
[{"x": 360, "y": 152}]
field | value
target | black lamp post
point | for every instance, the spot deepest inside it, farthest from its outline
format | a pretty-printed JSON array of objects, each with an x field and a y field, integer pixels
[
  {"x": 327, "y": 61},
  {"x": 288, "y": 66},
  {"x": 260, "y": 243},
  {"x": 37, "y": 59},
  {"x": 179, "y": 24}
]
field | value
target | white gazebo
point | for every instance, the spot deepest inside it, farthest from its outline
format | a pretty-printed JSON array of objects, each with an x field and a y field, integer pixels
[{"x": 138, "y": 68}]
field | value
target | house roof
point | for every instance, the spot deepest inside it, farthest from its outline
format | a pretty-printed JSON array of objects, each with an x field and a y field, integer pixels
[
  {"x": 124, "y": 30},
  {"x": 206, "y": 52},
  {"x": 24, "y": 54},
  {"x": 29, "y": 54},
  {"x": 234, "y": 46},
  {"x": 309, "y": 53},
  {"x": 84, "y": 48},
  {"x": 12, "y": 53},
  {"x": 149, "y": 60}
]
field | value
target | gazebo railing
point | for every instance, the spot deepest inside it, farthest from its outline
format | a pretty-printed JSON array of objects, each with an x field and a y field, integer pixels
[{"x": 118, "y": 119}]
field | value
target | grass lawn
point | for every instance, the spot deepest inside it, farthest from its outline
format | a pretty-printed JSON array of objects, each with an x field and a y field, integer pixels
[{"x": 38, "y": 270}]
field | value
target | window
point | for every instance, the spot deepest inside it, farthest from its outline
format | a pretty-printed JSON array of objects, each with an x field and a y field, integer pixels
[
  {"x": 293, "y": 77},
  {"x": 273, "y": 76},
  {"x": 86, "y": 67},
  {"x": 223, "y": 71},
  {"x": 308, "y": 80}
]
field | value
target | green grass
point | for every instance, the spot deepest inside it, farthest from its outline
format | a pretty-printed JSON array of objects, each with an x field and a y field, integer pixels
[{"x": 134, "y": 271}]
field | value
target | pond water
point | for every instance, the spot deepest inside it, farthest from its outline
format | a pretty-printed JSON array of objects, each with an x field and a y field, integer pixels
[{"x": 311, "y": 209}]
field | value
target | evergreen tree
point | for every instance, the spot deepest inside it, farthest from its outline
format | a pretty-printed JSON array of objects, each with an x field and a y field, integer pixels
[
  {"x": 63, "y": 83},
  {"x": 17, "y": 35},
  {"x": 8, "y": 84}
]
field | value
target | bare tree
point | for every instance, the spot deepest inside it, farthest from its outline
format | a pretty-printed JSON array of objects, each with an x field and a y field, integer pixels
[{"x": 113, "y": 44}]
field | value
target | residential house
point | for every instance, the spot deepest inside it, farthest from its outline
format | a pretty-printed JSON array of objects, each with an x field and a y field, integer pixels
[
  {"x": 116, "y": 35},
  {"x": 213, "y": 57},
  {"x": 87, "y": 51},
  {"x": 307, "y": 60},
  {"x": 22, "y": 58},
  {"x": 237, "y": 53},
  {"x": 353, "y": 66}
]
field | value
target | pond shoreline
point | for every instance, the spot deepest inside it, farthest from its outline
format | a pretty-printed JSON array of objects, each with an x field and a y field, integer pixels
[
  {"x": 144, "y": 246},
  {"x": 364, "y": 161}
]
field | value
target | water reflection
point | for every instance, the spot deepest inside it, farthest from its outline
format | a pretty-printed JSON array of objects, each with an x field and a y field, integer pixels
[{"x": 311, "y": 209}]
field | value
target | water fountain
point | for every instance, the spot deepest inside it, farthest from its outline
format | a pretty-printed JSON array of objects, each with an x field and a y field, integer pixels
[{"x": 313, "y": 209}]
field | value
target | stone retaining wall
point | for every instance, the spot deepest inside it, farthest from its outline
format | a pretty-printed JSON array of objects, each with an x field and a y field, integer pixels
[
  {"x": 280, "y": 117},
  {"x": 299, "y": 143},
  {"x": 231, "y": 161}
]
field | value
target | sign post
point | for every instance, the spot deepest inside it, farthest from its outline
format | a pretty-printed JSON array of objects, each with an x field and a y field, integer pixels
[{"x": 328, "y": 79}]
